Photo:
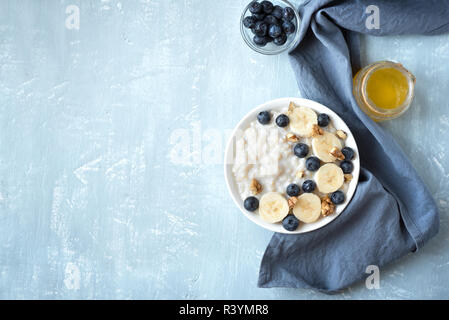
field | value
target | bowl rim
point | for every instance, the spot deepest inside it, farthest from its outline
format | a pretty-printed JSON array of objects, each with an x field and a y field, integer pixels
[
  {"x": 261, "y": 50},
  {"x": 233, "y": 189}
]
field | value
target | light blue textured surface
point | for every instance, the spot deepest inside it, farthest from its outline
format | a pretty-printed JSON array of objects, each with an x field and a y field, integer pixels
[{"x": 95, "y": 202}]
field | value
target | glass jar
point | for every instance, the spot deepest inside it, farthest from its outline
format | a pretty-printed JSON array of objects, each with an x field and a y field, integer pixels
[
  {"x": 271, "y": 48},
  {"x": 384, "y": 90}
]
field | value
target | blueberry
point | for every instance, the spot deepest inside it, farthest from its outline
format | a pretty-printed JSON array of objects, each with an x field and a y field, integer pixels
[
  {"x": 260, "y": 28},
  {"x": 288, "y": 14},
  {"x": 260, "y": 40},
  {"x": 277, "y": 12},
  {"x": 312, "y": 163},
  {"x": 269, "y": 39},
  {"x": 249, "y": 22},
  {"x": 282, "y": 120},
  {"x": 346, "y": 166},
  {"x": 308, "y": 186},
  {"x": 348, "y": 153},
  {"x": 267, "y": 6},
  {"x": 259, "y": 16},
  {"x": 301, "y": 150},
  {"x": 255, "y": 7},
  {"x": 288, "y": 27},
  {"x": 293, "y": 190},
  {"x": 264, "y": 117},
  {"x": 270, "y": 19},
  {"x": 323, "y": 120},
  {"x": 251, "y": 203},
  {"x": 290, "y": 223},
  {"x": 337, "y": 197},
  {"x": 274, "y": 31},
  {"x": 279, "y": 41}
]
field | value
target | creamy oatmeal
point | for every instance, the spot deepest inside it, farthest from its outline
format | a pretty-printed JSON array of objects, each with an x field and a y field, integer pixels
[{"x": 292, "y": 166}]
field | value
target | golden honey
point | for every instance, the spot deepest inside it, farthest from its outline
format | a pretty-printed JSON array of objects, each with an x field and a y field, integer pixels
[{"x": 384, "y": 90}]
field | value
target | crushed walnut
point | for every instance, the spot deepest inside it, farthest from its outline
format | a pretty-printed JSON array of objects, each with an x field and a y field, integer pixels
[
  {"x": 300, "y": 174},
  {"x": 337, "y": 153},
  {"x": 292, "y": 202},
  {"x": 341, "y": 134},
  {"x": 327, "y": 207},
  {"x": 291, "y": 137},
  {"x": 255, "y": 187},
  {"x": 291, "y": 107},
  {"x": 348, "y": 177},
  {"x": 317, "y": 130}
]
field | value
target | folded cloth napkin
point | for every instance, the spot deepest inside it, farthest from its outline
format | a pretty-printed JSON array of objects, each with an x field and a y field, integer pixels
[{"x": 392, "y": 212}]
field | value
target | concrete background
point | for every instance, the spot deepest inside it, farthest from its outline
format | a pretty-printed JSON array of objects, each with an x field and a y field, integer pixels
[{"x": 111, "y": 141}]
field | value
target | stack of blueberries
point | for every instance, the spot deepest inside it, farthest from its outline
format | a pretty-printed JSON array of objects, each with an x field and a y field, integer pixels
[{"x": 269, "y": 23}]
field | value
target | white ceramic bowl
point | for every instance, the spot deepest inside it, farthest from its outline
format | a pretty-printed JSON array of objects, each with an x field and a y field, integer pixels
[{"x": 278, "y": 105}]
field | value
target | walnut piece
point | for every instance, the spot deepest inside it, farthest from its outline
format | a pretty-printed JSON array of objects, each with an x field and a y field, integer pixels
[
  {"x": 341, "y": 134},
  {"x": 337, "y": 153},
  {"x": 292, "y": 202},
  {"x": 291, "y": 137},
  {"x": 300, "y": 174},
  {"x": 255, "y": 187},
  {"x": 327, "y": 207},
  {"x": 291, "y": 107},
  {"x": 348, "y": 177},
  {"x": 317, "y": 130}
]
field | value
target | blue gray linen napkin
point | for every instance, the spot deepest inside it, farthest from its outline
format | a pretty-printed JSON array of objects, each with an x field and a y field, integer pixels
[{"x": 392, "y": 212}]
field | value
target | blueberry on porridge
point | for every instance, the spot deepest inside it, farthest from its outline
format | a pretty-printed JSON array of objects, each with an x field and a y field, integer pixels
[
  {"x": 348, "y": 153},
  {"x": 264, "y": 117},
  {"x": 323, "y": 120},
  {"x": 290, "y": 223},
  {"x": 251, "y": 203},
  {"x": 293, "y": 170},
  {"x": 347, "y": 166},
  {"x": 301, "y": 150},
  {"x": 308, "y": 186},
  {"x": 293, "y": 190},
  {"x": 338, "y": 197},
  {"x": 282, "y": 120},
  {"x": 312, "y": 163}
]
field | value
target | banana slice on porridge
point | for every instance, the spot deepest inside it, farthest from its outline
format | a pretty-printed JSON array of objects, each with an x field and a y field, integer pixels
[
  {"x": 273, "y": 207},
  {"x": 302, "y": 120},
  {"x": 308, "y": 208},
  {"x": 323, "y": 145},
  {"x": 329, "y": 178}
]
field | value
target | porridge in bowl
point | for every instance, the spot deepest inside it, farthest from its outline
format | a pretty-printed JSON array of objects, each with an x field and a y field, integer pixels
[{"x": 291, "y": 166}]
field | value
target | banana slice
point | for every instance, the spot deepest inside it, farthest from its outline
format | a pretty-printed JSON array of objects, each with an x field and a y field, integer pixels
[
  {"x": 307, "y": 208},
  {"x": 273, "y": 207},
  {"x": 329, "y": 178},
  {"x": 302, "y": 120},
  {"x": 323, "y": 144}
]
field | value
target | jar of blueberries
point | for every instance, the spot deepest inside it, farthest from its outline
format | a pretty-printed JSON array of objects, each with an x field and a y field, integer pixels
[{"x": 270, "y": 27}]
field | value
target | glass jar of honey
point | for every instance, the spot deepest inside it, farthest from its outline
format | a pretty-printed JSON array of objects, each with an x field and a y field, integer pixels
[{"x": 384, "y": 90}]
